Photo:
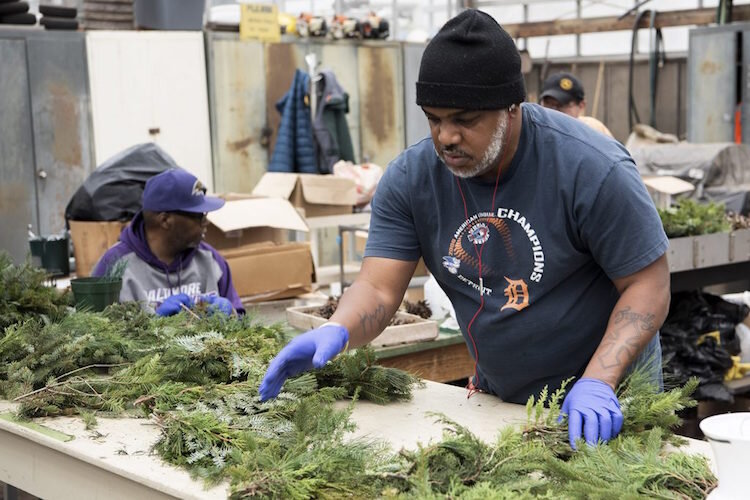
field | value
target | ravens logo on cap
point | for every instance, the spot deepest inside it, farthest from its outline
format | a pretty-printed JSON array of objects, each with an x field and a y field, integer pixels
[{"x": 198, "y": 189}]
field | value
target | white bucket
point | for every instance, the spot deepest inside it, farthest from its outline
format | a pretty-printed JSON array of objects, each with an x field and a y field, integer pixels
[{"x": 729, "y": 435}]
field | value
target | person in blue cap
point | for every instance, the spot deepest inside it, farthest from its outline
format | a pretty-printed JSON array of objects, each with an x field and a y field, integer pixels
[
  {"x": 167, "y": 265},
  {"x": 538, "y": 228}
]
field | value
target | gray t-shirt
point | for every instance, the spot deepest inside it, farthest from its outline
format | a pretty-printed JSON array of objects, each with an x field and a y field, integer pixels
[{"x": 570, "y": 215}]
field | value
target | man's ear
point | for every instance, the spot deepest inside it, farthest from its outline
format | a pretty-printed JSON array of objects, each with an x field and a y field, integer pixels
[{"x": 165, "y": 220}]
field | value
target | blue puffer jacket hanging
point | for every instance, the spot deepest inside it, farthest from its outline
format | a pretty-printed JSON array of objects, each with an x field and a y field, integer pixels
[{"x": 295, "y": 147}]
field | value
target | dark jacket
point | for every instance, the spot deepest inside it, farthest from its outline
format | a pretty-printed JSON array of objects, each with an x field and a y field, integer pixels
[
  {"x": 295, "y": 148},
  {"x": 331, "y": 130}
]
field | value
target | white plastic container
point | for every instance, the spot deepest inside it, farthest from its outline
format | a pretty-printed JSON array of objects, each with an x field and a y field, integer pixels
[{"x": 729, "y": 435}]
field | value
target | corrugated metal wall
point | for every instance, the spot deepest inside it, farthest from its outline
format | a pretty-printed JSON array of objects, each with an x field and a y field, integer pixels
[
  {"x": 612, "y": 107},
  {"x": 237, "y": 104},
  {"x": 45, "y": 144}
]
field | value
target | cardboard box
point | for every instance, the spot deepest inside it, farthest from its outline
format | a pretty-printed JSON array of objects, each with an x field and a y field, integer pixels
[
  {"x": 316, "y": 195},
  {"x": 242, "y": 222},
  {"x": 417, "y": 330},
  {"x": 269, "y": 271},
  {"x": 253, "y": 236},
  {"x": 91, "y": 240}
]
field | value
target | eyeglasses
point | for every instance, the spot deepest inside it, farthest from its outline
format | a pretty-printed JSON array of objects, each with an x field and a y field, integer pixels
[{"x": 191, "y": 215}]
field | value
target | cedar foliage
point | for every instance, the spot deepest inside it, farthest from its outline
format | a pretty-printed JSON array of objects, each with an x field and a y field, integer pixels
[
  {"x": 197, "y": 377},
  {"x": 23, "y": 295},
  {"x": 690, "y": 218}
]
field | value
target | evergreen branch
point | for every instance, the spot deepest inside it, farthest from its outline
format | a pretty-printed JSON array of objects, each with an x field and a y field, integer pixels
[
  {"x": 58, "y": 380},
  {"x": 197, "y": 376}
]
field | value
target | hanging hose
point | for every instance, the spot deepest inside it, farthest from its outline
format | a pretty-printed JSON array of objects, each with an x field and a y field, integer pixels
[
  {"x": 632, "y": 110},
  {"x": 656, "y": 60}
]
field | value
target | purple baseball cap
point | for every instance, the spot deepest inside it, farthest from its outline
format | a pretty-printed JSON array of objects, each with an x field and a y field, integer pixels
[{"x": 178, "y": 190}]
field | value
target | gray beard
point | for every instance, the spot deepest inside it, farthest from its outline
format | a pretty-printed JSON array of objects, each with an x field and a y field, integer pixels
[{"x": 491, "y": 156}]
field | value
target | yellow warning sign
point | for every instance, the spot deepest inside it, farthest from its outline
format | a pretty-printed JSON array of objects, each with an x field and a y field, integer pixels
[{"x": 260, "y": 22}]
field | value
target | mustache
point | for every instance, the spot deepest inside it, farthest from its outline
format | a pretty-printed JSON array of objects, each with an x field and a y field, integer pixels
[{"x": 453, "y": 150}]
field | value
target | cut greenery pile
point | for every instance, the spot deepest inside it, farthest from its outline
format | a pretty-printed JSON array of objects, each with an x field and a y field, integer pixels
[
  {"x": 690, "y": 218},
  {"x": 197, "y": 378}
]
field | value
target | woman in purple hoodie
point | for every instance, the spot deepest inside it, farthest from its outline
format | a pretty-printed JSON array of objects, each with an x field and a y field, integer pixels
[{"x": 168, "y": 266}]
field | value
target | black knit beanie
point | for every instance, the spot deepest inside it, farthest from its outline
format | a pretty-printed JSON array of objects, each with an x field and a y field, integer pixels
[{"x": 472, "y": 63}]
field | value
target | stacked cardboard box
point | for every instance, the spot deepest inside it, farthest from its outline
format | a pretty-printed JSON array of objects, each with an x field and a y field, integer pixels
[
  {"x": 252, "y": 234},
  {"x": 313, "y": 195}
]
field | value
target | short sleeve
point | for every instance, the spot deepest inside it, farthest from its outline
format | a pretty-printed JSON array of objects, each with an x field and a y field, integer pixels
[
  {"x": 622, "y": 228},
  {"x": 392, "y": 231}
]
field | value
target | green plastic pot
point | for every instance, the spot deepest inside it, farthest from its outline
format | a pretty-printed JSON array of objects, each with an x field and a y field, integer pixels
[
  {"x": 52, "y": 255},
  {"x": 94, "y": 294}
]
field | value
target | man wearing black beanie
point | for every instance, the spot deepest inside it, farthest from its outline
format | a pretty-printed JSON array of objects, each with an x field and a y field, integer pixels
[{"x": 538, "y": 229}]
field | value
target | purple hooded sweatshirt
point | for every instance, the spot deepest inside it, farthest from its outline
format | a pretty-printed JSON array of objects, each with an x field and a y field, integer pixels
[{"x": 146, "y": 279}]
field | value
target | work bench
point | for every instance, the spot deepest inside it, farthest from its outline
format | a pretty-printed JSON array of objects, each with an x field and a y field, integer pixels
[
  {"x": 115, "y": 460},
  {"x": 445, "y": 359}
]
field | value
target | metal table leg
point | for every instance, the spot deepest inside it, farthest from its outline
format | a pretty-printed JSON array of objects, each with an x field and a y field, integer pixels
[{"x": 10, "y": 492}]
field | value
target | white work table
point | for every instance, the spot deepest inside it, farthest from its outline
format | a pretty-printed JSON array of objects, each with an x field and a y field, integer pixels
[{"x": 115, "y": 461}]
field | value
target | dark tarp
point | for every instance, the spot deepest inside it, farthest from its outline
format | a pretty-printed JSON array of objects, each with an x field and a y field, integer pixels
[
  {"x": 113, "y": 191},
  {"x": 720, "y": 172}
]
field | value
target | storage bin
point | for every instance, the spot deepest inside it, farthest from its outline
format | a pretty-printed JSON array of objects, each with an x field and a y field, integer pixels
[{"x": 170, "y": 14}]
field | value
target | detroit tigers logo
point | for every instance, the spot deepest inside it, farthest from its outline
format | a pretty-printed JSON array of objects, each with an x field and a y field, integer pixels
[{"x": 518, "y": 294}]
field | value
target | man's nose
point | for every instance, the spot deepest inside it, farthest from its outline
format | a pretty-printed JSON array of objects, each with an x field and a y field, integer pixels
[{"x": 449, "y": 135}]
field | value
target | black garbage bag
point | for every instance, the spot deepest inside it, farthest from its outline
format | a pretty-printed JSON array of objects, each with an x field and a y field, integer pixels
[
  {"x": 113, "y": 191},
  {"x": 689, "y": 352}
]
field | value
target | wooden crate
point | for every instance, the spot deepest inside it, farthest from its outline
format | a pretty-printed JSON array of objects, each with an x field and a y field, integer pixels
[{"x": 419, "y": 330}]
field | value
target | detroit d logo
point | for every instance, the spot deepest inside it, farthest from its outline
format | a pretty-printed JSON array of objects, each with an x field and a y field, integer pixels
[
  {"x": 518, "y": 294},
  {"x": 198, "y": 189}
]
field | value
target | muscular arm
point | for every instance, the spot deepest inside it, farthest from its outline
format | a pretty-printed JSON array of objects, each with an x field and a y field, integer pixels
[
  {"x": 368, "y": 305},
  {"x": 635, "y": 319}
]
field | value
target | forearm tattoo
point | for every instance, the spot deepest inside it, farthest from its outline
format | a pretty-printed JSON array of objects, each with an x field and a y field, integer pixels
[
  {"x": 623, "y": 342},
  {"x": 373, "y": 321}
]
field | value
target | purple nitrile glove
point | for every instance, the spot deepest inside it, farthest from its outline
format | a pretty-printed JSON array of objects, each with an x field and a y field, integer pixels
[
  {"x": 218, "y": 304},
  {"x": 312, "y": 349},
  {"x": 173, "y": 304},
  {"x": 593, "y": 405}
]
